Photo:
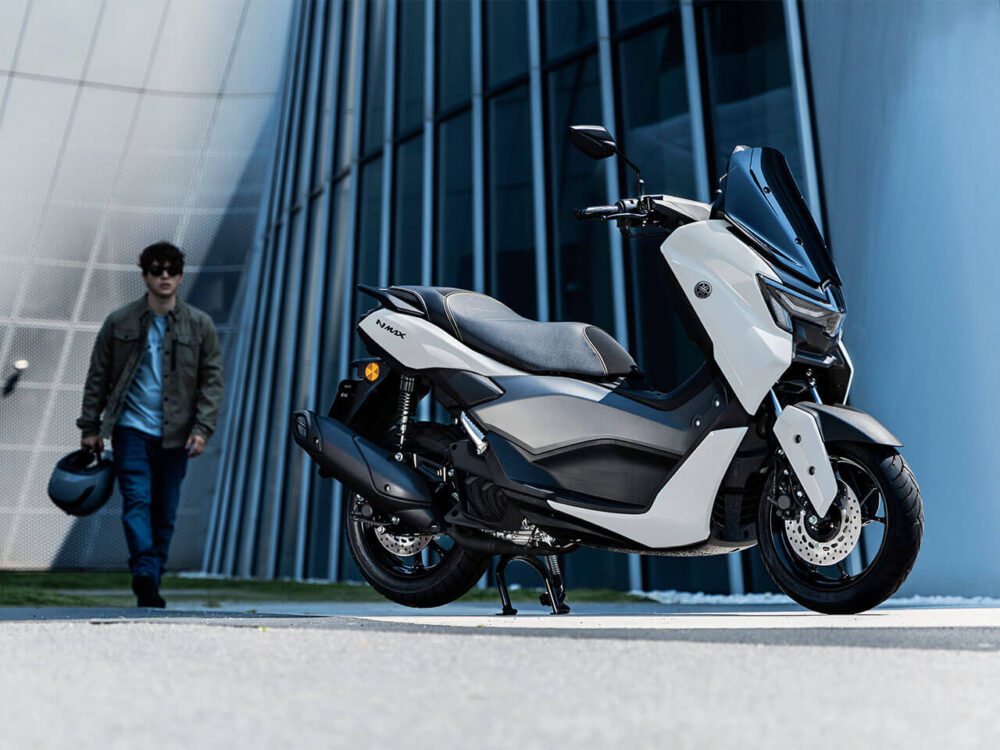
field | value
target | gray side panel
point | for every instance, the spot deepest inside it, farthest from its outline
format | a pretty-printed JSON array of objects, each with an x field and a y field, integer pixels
[{"x": 544, "y": 413}]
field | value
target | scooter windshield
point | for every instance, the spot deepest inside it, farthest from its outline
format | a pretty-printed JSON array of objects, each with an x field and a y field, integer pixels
[{"x": 761, "y": 197}]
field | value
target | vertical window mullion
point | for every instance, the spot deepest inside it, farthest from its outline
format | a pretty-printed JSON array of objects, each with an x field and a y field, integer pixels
[
  {"x": 800, "y": 90},
  {"x": 478, "y": 146},
  {"x": 385, "y": 230},
  {"x": 427, "y": 226},
  {"x": 538, "y": 160},
  {"x": 696, "y": 109}
]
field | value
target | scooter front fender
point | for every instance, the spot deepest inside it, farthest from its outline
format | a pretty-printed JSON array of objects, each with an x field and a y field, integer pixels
[
  {"x": 803, "y": 431},
  {"x": 853, "y": 425}
]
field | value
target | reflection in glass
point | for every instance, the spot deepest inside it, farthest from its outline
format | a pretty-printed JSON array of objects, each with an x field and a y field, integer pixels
[
  {"x": 454, "y": 68},
  {"x": 453, "y": 242},
  {"x": 750, "y": 92},
  {"x": 569, "y": 25},
  {"x": 630, "y": 12},
  {"x": 375, "y": 77},
  {"x": 410, "y": 67},
  {"x": 657, "y": 133},
  {"x": 581, "y": 266},
  {"x": 657, "y": 137},
  {"x": 511, "y": 212},
  {"x": 408, "y": 213},
  {"x": 367, "y": 253},
  {"x": 506, "y": 41}
]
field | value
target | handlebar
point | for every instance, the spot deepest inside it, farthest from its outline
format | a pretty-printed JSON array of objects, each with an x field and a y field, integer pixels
[{"x": 595, "y": 212}]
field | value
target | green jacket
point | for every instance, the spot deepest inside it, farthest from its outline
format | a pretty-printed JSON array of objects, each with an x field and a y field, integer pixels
[{"x": 192, "y": 372}]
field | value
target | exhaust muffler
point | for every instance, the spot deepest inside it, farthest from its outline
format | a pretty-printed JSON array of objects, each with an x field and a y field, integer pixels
[{"x": 391, "y": 487}]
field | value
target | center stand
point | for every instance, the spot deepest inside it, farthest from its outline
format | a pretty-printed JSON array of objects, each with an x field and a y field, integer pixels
[{"x": 550, "y": 572}]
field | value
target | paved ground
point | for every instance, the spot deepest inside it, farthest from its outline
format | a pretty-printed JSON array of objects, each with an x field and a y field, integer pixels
[{"x": 363, "y": 675}]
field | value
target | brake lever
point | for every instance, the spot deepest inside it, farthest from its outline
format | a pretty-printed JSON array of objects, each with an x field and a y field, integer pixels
[{"x": 623, "y": 216}]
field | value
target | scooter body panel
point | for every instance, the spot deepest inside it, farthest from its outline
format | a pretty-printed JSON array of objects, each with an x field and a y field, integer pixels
[
  {"x": 546, "y": 413},
  {"x": 681, "y": 512},
  {"x": 417, "y": 344},
  {"x": 718, "y": 273}
]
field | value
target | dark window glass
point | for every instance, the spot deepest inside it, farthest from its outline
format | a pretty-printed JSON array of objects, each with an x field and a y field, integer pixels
[
  {"x": 407, "y": 213},
  {"x": 337, "y": 246},
  {"x": 348, "y": 75},
  {"x": 750, "y": 89},
  {"x": 368, "y": 234},
  {"x": 454, "y": 203},
  {"x": 708, "y": 574},
  {"x": 657, "y": 126},
  {"x": 657, "y": 137},
  {"x": 375, "y": 77},
  {"x": 630, "y": 12},
  {"x": 581, "y": 267},
  {"x": 454, "y": 68},
  {"x": 506, "y": 40},
  {"x": 511, "y": 216},
  {"x": 594, "y": 568},
  {"x": 569, "y": 25},
  {"x": 410, "y": 68}
]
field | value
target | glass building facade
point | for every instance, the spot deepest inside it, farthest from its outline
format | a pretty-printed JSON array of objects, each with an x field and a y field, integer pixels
[{"x": 426, "y": 143}]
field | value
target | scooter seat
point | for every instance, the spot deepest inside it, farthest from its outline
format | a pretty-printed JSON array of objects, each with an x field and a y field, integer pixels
[{"x": 490, "y": 327}]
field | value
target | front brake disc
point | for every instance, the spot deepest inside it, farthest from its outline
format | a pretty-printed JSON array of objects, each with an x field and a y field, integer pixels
[{"x": 827, "y": 546}]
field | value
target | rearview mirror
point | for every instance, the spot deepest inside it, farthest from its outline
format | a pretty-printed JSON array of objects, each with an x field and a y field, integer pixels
[{"x": 593, "y": 140}]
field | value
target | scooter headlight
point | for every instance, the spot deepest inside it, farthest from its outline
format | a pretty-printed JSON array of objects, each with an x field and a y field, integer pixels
[{"x": 787, "y": 305}]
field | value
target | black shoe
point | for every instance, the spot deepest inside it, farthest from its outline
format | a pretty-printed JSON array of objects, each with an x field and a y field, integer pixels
[{"x": 146, "y": 592}]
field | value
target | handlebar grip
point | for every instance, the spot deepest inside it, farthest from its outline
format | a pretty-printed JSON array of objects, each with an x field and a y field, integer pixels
[{"x": 594, "y": 212}]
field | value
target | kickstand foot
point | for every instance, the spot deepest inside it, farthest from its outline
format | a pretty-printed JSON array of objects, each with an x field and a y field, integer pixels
[{"x": 555, "y": 589}]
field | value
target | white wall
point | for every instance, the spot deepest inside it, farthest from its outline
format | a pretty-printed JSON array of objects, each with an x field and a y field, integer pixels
[
  {"x": 907, "y": 110},
  {"x": 121, "y": 123}
]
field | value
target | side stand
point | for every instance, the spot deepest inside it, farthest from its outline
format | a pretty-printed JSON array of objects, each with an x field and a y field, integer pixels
[{"x": 555, "y": 589}]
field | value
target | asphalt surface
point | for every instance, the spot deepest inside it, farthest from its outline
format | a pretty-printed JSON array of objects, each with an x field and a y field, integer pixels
[{"x": 364, "y": 675}]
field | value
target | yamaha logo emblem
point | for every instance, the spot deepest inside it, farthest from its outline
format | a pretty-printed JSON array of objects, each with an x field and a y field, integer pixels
[{"x": 702, "y": 289}]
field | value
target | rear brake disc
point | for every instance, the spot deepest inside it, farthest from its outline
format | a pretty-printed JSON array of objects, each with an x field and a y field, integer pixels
[{"x": 403, "y": 545}]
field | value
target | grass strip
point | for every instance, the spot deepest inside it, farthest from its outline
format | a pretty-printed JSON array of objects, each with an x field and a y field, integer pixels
[{"x": 83, "y": 589}]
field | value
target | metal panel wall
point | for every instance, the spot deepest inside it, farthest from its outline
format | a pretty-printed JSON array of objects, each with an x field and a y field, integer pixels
[{"x": 121, "y": 124}]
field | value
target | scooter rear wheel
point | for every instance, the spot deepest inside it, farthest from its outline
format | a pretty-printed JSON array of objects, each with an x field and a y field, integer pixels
[
  {"x": 860, "y": 553},
  {"x": 413, "y": 570}
]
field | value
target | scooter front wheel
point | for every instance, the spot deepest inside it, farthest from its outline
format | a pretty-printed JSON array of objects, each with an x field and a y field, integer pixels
[{"x": 860, "y": 553}]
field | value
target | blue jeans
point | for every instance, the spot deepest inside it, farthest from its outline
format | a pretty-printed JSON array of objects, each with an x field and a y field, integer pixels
[{"x": 149, "y": 478}]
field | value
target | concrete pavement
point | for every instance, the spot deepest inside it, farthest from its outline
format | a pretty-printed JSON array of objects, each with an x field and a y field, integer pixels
[{"x": 374, "y": 675}]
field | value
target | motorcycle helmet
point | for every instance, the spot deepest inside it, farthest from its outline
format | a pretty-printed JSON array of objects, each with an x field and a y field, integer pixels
[{"x": 82, "y": 482}]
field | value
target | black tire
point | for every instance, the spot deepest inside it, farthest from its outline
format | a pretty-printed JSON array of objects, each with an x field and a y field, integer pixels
[
  {"x": 452, "y": 574},
  {"x": 903, "y": 523},
  {"x": 454, "y": 569}
]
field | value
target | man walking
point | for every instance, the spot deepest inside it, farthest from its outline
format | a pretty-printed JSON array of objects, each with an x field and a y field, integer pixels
[{"x": 156, "y": 374}]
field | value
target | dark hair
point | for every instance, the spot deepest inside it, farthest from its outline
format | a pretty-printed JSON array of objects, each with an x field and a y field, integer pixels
[{"x": 164, "y": 253}]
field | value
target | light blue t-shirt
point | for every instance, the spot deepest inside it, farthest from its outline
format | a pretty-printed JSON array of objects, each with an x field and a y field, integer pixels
[{"x": 143, "y": 409}]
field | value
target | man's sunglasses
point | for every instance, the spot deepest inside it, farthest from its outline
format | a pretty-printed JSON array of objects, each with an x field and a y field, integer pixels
[{"x": 156, "y": 269}]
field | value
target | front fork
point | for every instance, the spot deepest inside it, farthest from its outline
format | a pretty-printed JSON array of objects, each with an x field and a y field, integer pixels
[{"x": 802, "y": 448}]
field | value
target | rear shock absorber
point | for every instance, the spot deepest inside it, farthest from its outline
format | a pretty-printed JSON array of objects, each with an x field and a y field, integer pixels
[{"x": 407, "y": 387}]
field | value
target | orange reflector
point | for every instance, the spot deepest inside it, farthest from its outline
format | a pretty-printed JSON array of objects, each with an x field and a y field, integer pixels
[{"x": 371, "y": 372}]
